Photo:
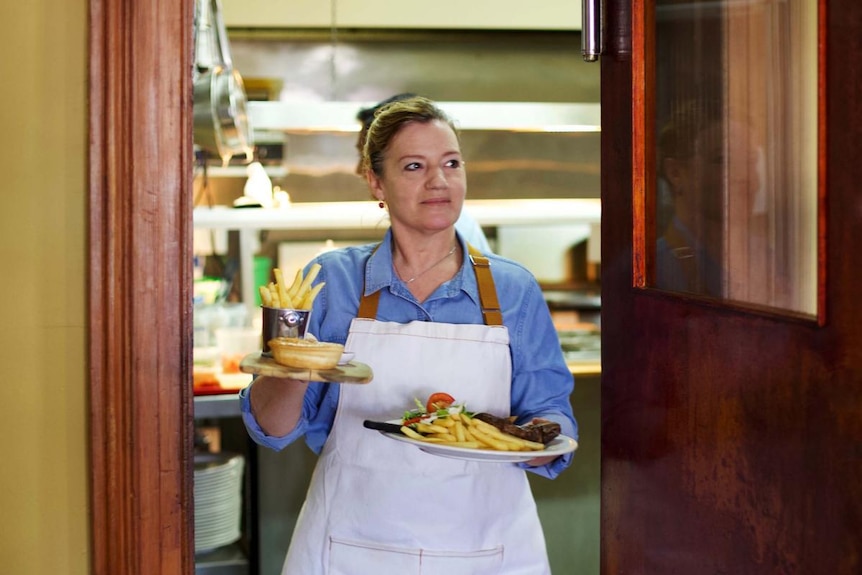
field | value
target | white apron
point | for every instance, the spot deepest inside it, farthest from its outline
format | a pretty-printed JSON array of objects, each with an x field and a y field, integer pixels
[{"x": 377, "y": 506}]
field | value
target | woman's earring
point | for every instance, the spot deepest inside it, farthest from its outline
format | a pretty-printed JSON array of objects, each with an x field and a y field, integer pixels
[{"x": 381, "y": 204}]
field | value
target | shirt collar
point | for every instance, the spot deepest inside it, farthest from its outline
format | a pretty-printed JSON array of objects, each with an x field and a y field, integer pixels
[{"x": 378, "y": 270}]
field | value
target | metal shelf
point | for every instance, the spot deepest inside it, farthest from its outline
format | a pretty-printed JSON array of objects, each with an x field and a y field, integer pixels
[
  {"x": 367, "y": 215},
  {"x": 308, "y": 116},
  {"x": 227, "y": 560},
  {"x": 215, "y": 406},
  {"x": 242, "y": 171}
]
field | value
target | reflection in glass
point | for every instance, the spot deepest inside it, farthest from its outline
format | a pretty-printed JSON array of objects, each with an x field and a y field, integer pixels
[{"x": 736, "y": 158}]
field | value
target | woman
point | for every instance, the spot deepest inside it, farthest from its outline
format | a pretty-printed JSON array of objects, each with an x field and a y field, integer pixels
[
  {"x": 411, "y": 308},
  {"x": 705, "y": 180}
]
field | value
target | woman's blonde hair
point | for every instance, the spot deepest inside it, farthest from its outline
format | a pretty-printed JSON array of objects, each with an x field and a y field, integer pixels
[{"x": 389, "y": 120}]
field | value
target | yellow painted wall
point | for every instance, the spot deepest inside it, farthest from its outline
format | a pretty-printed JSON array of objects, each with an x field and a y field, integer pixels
[{"x": 43, "y": 466}]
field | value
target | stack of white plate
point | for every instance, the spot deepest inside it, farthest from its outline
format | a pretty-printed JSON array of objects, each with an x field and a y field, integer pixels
[{"x": 218, "y": 499}]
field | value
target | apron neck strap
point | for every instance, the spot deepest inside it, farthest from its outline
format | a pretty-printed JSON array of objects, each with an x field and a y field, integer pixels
[
  {"x": 368, "y": 306},
  {"x": 487, "y": 292}
]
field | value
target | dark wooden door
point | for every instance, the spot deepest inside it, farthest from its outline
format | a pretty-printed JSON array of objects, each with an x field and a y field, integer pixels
[{"x": 732, "y": 420}]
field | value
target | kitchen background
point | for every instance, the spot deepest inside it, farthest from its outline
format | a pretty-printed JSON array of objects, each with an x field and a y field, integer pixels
[
  {"x": 43, "y": 237},
  {"x": 43, "y": 233},
  {"x": 362, "y": 66},
  {"x": 452, "y": 66}
]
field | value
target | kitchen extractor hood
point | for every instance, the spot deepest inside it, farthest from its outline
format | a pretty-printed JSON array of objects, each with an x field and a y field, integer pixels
[
  {"x": 220, "y": 118},
  {"x": 310, "y": 117}
]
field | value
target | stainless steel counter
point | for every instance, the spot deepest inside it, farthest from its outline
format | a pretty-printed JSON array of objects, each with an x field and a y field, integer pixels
[
  {"x": 227, "y": 560},
  {"x": 216, "y": 406}
]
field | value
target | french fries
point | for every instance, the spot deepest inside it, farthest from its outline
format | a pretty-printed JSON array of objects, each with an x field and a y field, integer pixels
[
  {"x": 439, "y": 438},
  {"x": 298, "y": 295},
  {"x": 461, "y": 430}
]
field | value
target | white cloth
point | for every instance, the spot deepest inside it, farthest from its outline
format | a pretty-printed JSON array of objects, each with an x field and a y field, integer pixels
[{"x": 378, "y": 506}]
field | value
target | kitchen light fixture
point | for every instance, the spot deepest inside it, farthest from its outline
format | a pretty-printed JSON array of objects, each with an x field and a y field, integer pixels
[{"x": 306, "y": 117}]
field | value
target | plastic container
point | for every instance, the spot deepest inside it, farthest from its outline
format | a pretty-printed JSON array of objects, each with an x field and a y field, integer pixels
[{"x": 234, "y": 343}]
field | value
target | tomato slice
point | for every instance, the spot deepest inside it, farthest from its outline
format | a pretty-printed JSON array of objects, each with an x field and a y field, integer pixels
[{"x": 439, "y": 400}]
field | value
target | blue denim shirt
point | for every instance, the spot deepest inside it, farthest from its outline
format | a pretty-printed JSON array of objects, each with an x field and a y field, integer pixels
[{"x": 541, "y": 381}]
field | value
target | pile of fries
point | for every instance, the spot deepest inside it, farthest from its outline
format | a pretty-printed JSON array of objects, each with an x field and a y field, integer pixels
[
  {"x": 299, "y": 295},
  {"x": 461, "y": 430}
]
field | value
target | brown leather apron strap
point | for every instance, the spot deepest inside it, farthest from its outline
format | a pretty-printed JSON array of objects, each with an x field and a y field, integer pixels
[
  {"x": 368, "y": 306},
  {"x": 487, "y": 292}
]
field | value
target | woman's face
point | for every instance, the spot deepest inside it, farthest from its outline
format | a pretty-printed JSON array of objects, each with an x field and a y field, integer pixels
[
  {"x": 723, "y": 167},
  {"x": 423, "y": 179}
]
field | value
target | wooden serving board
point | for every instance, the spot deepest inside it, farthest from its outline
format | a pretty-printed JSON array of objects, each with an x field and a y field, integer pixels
[{"x": 351, "y": 372}]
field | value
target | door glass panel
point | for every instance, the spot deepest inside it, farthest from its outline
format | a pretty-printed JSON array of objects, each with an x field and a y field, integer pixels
[{"x": 736, "y": 151}]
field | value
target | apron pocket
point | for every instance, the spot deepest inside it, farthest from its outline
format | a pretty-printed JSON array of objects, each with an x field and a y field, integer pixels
[
  {"x": 484, "y": 562},
  {"x": 354, "y": 557}
]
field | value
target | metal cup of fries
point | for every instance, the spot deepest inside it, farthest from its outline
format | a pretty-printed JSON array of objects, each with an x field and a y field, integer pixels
[
  {"x": 280, "y": 322},
  {"x": 286, "y": 309}
]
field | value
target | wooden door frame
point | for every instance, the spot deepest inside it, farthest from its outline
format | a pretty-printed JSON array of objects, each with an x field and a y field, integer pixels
[
  {"x": 139, "y": 284},
  {"x": 664, "y": 382}
]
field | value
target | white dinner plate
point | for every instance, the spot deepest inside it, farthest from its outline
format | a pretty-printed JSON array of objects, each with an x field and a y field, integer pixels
[{"x": 559, "y": 446}]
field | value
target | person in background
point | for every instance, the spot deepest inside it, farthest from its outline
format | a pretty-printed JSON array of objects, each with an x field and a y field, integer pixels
[
  {"x": 707, "y": 163},
  {"x": 466, "y": 224},
  {"x": 411, "y": 308}
]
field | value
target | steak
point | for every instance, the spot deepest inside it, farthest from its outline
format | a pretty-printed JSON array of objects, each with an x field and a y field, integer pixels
[{"x": 541, "y": 432}]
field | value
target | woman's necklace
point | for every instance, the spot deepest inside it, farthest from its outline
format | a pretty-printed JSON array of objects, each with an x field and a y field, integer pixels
[{"x": 429, "y": 268}]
